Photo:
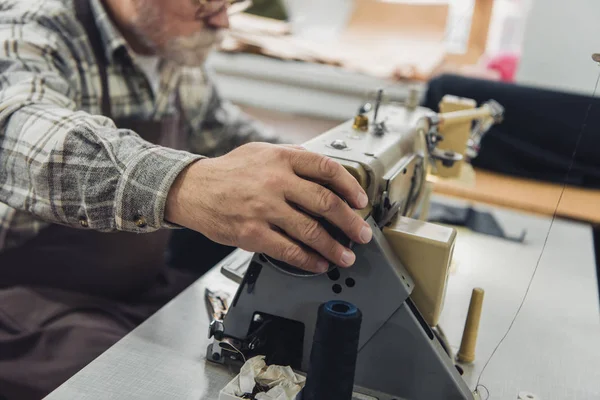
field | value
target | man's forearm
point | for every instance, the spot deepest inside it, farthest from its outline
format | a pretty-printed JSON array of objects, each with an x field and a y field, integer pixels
[
  {"x": 67, "y": 166},
  {"x": 79, "y": 170}
]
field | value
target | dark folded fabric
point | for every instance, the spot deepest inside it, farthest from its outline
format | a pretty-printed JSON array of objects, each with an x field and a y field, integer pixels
[{"x": 477, "y": 221}]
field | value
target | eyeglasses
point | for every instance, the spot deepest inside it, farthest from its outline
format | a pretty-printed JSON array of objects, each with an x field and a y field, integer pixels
[{"x": 208, "y": 8}]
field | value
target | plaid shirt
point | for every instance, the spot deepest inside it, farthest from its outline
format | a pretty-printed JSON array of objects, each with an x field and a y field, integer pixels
[{"x": 62, "y": 162}]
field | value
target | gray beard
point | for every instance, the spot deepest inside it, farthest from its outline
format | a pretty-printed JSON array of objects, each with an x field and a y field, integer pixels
[
  {"x": 192, "y": 51},
  {"x": 189, "y": 51}
]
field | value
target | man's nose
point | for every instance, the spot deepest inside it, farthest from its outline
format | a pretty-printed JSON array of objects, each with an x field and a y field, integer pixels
[{"x": 219, "y": 21}]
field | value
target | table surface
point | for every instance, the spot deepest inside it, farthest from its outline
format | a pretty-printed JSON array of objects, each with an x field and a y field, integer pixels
[
  {"x": 552, "y": 350},
  {"x": 526, "y": 195}
]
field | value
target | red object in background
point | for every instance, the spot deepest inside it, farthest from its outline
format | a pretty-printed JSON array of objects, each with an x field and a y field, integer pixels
[{"x": 505, "y": 64}]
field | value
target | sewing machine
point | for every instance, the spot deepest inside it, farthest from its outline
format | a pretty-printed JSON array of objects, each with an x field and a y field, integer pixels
[{"x": 399, "y": 278}]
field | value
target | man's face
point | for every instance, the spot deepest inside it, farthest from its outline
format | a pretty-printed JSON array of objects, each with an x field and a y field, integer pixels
[{"x": 182, "y": 31}]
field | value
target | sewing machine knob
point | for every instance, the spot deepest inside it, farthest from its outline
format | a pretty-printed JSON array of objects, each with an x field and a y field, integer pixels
[
  {"x": 361, "y": 123},
  {"x": 339, "y": 144}
]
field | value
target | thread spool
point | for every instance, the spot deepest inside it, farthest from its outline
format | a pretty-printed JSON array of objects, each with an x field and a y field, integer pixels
[
  {"x": 334, "y": 351},
  {"x": 466, "y": 352}
]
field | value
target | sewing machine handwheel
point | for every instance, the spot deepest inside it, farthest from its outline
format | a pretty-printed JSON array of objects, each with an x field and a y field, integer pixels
[{"x": 335, "y": 233}]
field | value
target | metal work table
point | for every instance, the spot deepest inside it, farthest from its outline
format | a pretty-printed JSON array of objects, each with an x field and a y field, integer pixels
[{"x": 552, "y": 350}]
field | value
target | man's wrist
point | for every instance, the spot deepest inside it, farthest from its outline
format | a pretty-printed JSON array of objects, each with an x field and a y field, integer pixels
[
  {"x": 174, "y": 213},
  {"x": 144, "y": 187}
]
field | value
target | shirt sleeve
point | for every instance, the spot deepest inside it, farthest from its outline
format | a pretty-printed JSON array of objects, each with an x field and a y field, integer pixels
[
  {"x": 67, "y": 166},
  {"x": 222, "y": 126}
]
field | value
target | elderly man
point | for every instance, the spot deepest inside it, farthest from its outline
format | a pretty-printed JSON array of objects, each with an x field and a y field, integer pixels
[{"x": 107, "y": 121}]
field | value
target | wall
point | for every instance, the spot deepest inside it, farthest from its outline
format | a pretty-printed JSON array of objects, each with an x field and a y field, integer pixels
[{"x": 560, "y": 38}]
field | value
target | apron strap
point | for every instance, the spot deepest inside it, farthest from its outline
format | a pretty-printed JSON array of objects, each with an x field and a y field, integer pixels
[
  {"x": 166, "y": 132},
  {"x": 84, "y": 13}
]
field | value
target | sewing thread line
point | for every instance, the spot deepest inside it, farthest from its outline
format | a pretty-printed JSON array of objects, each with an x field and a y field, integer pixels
[{"x": 554, "y": 214}]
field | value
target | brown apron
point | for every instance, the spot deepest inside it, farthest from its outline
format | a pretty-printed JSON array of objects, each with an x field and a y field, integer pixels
[{"x": 69, "y": 294}]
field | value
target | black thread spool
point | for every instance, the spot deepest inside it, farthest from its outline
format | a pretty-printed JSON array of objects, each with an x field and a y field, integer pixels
[{"x": 334, "y": 351}]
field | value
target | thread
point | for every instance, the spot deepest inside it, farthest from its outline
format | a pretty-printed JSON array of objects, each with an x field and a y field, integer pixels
[
  {"x": 237, "y": 351},
  {"x": 479, "y": 392},
  {"x": 334, "y": 351},
  {"x": 554, "y": 215}
]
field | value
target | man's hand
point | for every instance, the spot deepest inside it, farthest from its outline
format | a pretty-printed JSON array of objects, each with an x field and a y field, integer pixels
[{"x": 263, "y": 198}]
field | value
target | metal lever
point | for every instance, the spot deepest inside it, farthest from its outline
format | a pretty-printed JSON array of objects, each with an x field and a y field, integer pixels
[
  {"x": 379, "y": 127},
  {"x": 378, "y": 104},
  {"x": 482, "y": 126},
  {"x": 488, "y": 114}
]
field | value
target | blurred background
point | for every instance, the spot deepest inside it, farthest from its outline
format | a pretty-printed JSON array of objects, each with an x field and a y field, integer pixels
[
  {"x": 328, "y": 56},
  {"x": 322, "y": 59}
]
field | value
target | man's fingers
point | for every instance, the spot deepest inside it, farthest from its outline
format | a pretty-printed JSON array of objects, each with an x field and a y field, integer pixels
[
  {"x": 324, "y": 169},
  {"x": 282, "y": 248},
  {"x": 318, "y": 200},
  {"x": 309, "y": 231}
]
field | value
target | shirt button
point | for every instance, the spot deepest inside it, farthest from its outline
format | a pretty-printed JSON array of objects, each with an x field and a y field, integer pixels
[
  {"x": 140, "y": 222},
  {"x": 83, "y": 222}
]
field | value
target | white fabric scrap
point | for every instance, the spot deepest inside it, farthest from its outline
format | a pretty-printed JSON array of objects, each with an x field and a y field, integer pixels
[
  {"x": 249, "y": 372},
  {"x": 283, "y": 383}
]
